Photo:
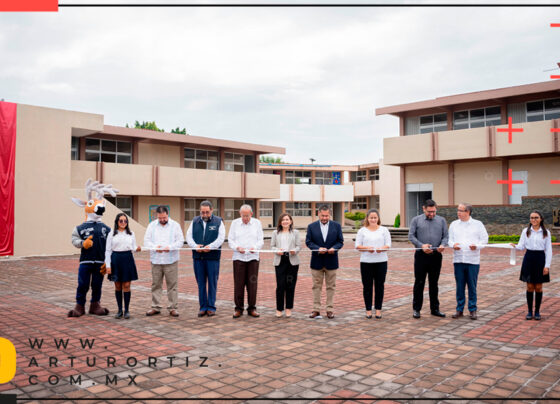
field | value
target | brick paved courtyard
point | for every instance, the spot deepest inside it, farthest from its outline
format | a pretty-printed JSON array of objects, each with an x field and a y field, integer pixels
[{"x": 349, "y": 358}]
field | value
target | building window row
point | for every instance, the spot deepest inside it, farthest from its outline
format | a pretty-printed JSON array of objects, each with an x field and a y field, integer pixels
[
  {"x": 298, "y": 208},
  {"x": 202, "y": 159},
  {"x": 124, "y": 203},
  {"x": 109, "y": 151},
  {"x": 359, "y": 203},
  {"x": 477, "y": 118},
  {"x": 266, "y": 209},
  {"x": 543, "y": 110},
  {"x": 362, "y": 175},
  {"x": 433, "y": 123}
]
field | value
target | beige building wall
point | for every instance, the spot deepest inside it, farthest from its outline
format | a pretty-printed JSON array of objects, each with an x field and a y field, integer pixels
[
  {"x": 407, "y": 149},
  {"x": 463, "y": 144},
  {"x": 42, "y": 178},
  {"x": 160, "y": 155},
  {"x": 436, "y": 174},
  {"x": 389, "y": 191},
  {"x": 535, "y": 138},
  {"x": 130, "y": 179},
  {"x": 193, "y": 183},
  {"x": 476, "y": 183},
  {"x": 81, "y": 171},
  {"x": 540, "y": 171}
]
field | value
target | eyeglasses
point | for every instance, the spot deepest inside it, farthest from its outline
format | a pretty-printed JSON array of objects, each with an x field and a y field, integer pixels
[
  {"x": 534, "y": 217},
  {"x": 123, "y": 221}
]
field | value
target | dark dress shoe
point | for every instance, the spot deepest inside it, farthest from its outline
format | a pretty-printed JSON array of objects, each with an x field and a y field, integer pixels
[
  {"x": 457, "y": 314},
  {"x": 202, "y": 313},
  {"x": 210, "y": 313},
  {"x": 174, "y": 313},
  {"x": 152, "y": 312},
  {"x": 330, "y": 314},
  {"x": 378, "y": 317},
  {"x": 237, "y": 314},
  {"x": 119, "y": 314},
  {"x": 369, "y": 316},
  {"x": 314, "y": 314},
  {"x": 415, "y": 314},
  {"x": 253, "y": 313},
  {"x": 438, "y": 313},
  {"x": 126, "y": 315},
  {"x": 537, "y": 316},
  {"x": 473, "y": 315},
  {"x": 529, "y": 316}
]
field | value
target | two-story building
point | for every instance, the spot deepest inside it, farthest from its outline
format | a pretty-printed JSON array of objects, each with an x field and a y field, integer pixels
[
  {"x": 456, "y": 148},
  {"x": 58, "y": 150}
]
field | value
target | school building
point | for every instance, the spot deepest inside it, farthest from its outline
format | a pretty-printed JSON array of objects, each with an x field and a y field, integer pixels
[
  {"x": 457, "y": 148},
  {"x": 56, "y": 151},
  {"x": 305, "y": 187}
]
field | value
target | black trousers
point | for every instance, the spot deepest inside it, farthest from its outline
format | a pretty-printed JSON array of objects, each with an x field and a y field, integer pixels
[
  {"x": 374, "y": 272},
  {"x": 286, "y": 278},
  {"x": 426, "y": 264}
]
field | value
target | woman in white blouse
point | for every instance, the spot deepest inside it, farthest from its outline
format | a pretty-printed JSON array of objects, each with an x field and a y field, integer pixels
[
  {"x": 373, "y": 240},
  {"x": 536, "y": 240},
  {"x": 119, "y": 261},
  {"x": 286, "y": 243}
]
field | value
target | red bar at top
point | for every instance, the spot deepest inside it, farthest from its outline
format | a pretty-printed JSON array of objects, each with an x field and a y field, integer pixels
[
  {"x": 555, "y": 25},
  {"x": 28, "y": 5}
]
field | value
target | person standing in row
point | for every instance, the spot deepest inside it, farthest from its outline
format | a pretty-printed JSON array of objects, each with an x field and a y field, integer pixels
[
  {"x": 164, "y": 238},
  {"x": 373, "y": 240},
  {"x": 428, "y": 233},
  {"x": 119, "y": 261},
  {"x": 536, "y": 239},
  {"x": 286, "y": 243},
  {"x": 245, "y": 238},
  {"x": 466, "y": 236},
  {"x": 325, "y": 238},
  {"x": 206, "y": 234}
]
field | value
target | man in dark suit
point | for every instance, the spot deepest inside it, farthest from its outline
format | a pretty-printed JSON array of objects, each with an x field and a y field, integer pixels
[{"x": 325, "y": 238}]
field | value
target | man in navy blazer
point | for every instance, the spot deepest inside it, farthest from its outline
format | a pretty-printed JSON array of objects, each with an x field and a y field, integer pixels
[{"x": 325, "y": 237}]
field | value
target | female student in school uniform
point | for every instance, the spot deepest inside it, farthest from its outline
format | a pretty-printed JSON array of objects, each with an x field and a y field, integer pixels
[
  {"x": 536, "y": 239},
  {"x": 119, "y": 261},
  {"x": 373, "y": 240}
]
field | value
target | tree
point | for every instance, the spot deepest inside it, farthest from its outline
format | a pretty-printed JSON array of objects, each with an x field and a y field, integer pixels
[
  {"x": 147, "y": 125},
  {"x": 179, "y": 131},
  {"x": 271, "y": 159}
]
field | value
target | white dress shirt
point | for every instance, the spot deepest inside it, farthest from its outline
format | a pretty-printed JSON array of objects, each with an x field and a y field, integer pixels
[
  {"x": 246, "y": 236},
  {"x": 119, "y": 242},
  {"x": 324, "y": 230},
  {"x": 378, "y": 238},
  {"x": 214, "y": 244},
  {"x": 170, "y": 236},
  {"x": 467, "y": 233},
  {"x": 536, "y": 242}
]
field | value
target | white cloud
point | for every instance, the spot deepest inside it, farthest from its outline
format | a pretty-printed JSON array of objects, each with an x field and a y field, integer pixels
[{"x": 308, "y": 79}]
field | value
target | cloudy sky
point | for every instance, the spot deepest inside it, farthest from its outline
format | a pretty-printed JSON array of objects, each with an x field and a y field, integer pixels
[{"x": 308, "y": 79}]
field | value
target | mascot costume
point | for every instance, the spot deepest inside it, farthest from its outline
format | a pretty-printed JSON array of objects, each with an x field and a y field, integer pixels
[{"x": 91, "y": 238}]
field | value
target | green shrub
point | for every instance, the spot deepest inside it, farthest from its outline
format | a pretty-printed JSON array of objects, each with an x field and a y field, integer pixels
[
  {"x": 355, "y": 215},
  {"x": 397, "y": 221},
  {"x": 357, "y": 224},
  {"x": 505, "y": 238}
]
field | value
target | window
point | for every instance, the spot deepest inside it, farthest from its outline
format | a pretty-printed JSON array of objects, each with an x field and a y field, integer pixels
[
  {"x": 358, "y": 175},
  {"x": 75, "y": 149},
  {"x": 374, "y": 174},
  {"x": 319, "y": 204},
  {"x": 109, "y": 151},
  {"x": 298, "y": 177},
  {"x": 124, "y": 203},
  {"x": 265, "y": 209},
  {"x": 324, "y": 177},
  {"x": 239, "y": 162},
  {"x": 192, "y": 207},
  {"x": 298, "y": 208},
  {"x": 477, "y": 118},
  {"x": 543, "y": 110},
  {"x": 202, "y": 159},
  {"x": 433, "y": 123},
  {"x": 231, "y": 207},
  {"x": 275, "y": 172},
  {"x": 359, "y": 203}
]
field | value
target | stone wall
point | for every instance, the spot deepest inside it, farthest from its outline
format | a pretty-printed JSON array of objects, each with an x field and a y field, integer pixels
[{"x": 510, "y": 219}]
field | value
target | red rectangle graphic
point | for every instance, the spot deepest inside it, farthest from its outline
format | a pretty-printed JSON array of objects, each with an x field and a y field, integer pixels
[{"x": 28, "y": 5}]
